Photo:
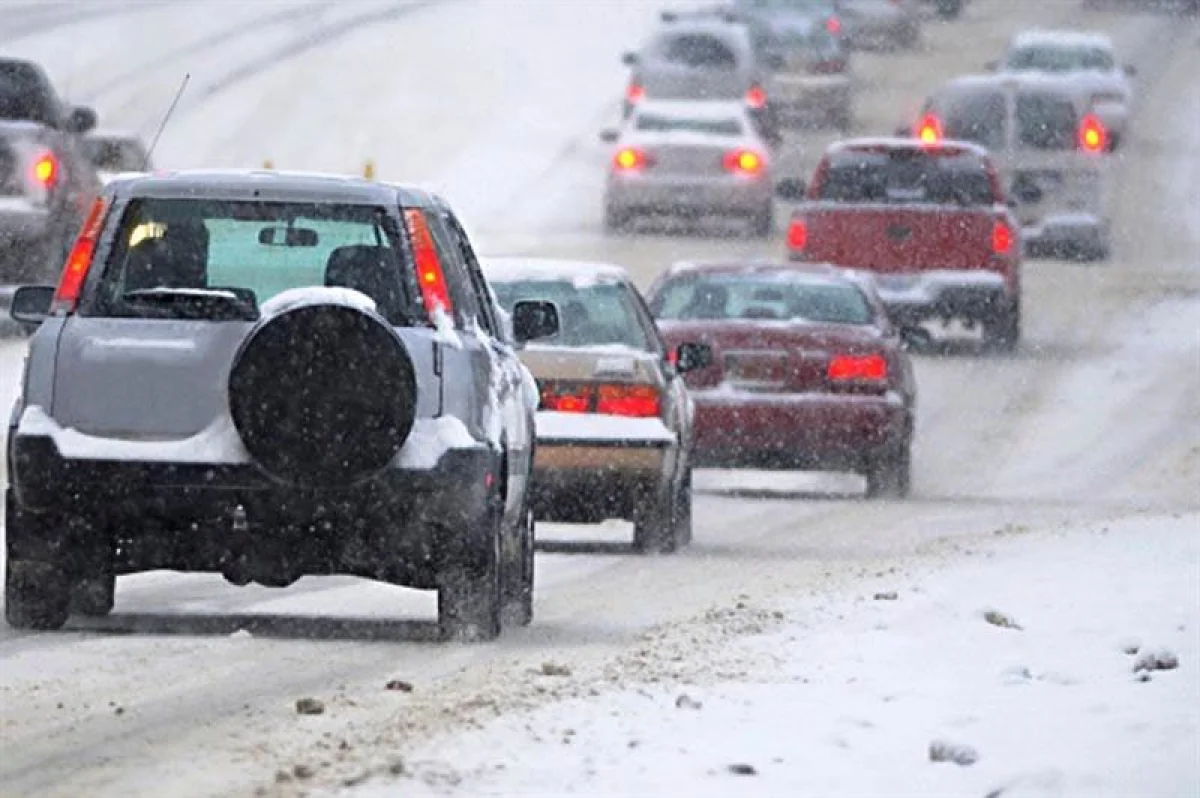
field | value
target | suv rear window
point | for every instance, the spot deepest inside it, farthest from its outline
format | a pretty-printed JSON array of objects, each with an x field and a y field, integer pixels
[
  {"x": 781, "y": 297},
  {"x": 696, "y": 51},
  {"x": 980, "y": 117},
  {"x": 907, "y": 176},
  {"x": 1045, "y": 121},
  {"x": 220, "y": 258},
  {"x": 1060, "y": 59}
]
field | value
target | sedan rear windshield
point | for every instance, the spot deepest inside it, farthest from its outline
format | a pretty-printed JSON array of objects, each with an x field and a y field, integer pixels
[
  {"x": 696, "y": 51},
  {"x": 220, "y": 258},
  {"x": 907, "y": 176},
  {"x": 593, "y": 314},
  {"x": 656, "y": 123},
  {"x": 761, "y": 296}
]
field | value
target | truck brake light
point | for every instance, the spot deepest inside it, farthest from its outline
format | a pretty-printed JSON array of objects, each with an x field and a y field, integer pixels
[
  {"x": 797, "y": 235},
  {"x": 1002, "y": 238},
  {"x": 79, "y": 261}
]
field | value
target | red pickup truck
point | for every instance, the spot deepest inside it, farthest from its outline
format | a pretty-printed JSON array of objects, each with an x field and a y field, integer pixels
[{"x": 930, "y": 221}]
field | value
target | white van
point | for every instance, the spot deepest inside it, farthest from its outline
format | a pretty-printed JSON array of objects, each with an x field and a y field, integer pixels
[{"x": 1050, "y": 148}]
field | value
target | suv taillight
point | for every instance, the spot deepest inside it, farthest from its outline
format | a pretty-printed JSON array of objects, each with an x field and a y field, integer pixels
[
  {"x": 75, "y": 271},
  {"x": 435, "y": 294}
]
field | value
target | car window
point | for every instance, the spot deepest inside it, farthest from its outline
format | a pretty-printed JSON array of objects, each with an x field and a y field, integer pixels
[
  {"x": 979, "y": 117},
  {"x": 1060, "y": 59},
  {"x": 779, "y": 297},
  {"x": 462, "y": 295},
  {"x": 658, "y": 123},
  {"x": 597, "y": 314},
  {"x": 696, "y": 51},
  {"x": 487, "y": 317},
  {"x": 112, "y": 155},
  {"x": 1046, "y": 122},
  {"x": 241, "y": 247},
  {"x": 906, "y": 176}
]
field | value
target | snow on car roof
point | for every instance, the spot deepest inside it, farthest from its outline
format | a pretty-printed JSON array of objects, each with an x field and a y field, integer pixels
[
  {"x": 1061, "y": 38},
  {"x": 515, "y": 268},
  {"x": 1066, "y": 85}
]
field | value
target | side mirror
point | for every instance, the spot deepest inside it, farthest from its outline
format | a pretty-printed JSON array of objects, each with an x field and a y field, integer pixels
[
  {"x": 692, "y": 357},
  {"x": 533, "y": 320},
  {"x": 992, "y": 66},
  {"x": 1131, "y": 70},
  {"x": 609, "y": 135},
  {"x": 81, "y": 119},
  {"x": 31, "y": 304},
  {"x": 916, "y": 338},
  {"x": 629, "y": 59},
  {"x": 792, "y": 189}
]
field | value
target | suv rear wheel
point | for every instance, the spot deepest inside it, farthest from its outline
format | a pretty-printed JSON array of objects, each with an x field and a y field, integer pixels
[
  {"x": 37, "y": 594},
  {"x": 655, "y": 530},
  {"x": 94, "y": 596},
  {"x": 517, "y": 580},
  {"x": 890, "y": 474},
  {"x": 1002, "y": 332}
]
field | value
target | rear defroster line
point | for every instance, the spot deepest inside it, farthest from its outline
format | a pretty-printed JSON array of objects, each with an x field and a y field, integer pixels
[{"x": 300, "y": 46}]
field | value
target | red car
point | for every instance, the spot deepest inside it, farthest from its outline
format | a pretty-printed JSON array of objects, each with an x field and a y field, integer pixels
[
  {"x": 930, "y": 219},
  {"x": 807, "y": 372}
]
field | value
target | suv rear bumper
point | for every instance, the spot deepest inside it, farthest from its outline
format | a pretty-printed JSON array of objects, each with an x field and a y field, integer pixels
[
  {"x": 975, "y": 295},
  {"x": 398, "y": 525}
]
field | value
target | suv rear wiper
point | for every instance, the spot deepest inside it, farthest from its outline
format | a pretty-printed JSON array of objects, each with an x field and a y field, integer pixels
[{"x": 217, "y": 304}]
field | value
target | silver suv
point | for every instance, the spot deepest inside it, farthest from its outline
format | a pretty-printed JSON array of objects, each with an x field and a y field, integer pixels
[{"x": 268, "y": 376}]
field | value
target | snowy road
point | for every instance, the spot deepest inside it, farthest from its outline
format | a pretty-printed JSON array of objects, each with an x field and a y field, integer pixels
[{"x": 1095, "y": 419}]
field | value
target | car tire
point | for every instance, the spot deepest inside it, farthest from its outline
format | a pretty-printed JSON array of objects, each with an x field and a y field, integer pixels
[
  {"x": 37, "y": 593},
  {"x": 683, "y": 509},
  {"x": 615, "y": 222},
  {"x": 654, "y": 527},
  {"x": 94, "y": 596},
  {"x": 763, "y": 222},
  {"x": 1002, "y": 333},
  {"x": 890, "y": 475},
  {"x": 469, "y": 595},
  {"x": 517, "y": 585}
]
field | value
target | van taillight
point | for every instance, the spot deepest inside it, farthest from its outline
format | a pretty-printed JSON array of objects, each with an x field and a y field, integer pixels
[
  {"x": 1002, "y": 238},
  {"x": 797, "y": 235},
  {"x": 1093, "y": 137},
  {"x": 79, "y": 261},
  {"x": 435, "y": 294}
]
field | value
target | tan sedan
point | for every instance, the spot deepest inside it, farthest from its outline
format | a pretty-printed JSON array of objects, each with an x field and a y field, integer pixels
[{"x": 614, "y": 424}]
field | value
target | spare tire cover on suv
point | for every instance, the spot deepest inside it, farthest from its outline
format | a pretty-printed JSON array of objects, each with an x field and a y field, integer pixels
[{"x": 322, "y": 395}]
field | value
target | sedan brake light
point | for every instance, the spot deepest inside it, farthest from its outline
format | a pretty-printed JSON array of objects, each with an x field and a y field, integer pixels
[
  {"x": 797, "y": 235},
  {"x": 833, "y": 25},
  {"x": 756, "y": 97},
  {"x": 79, "y": 261},
  {"x": 635, "y": 92},
  {"x": 631, "y": 159},
  {"x": 746, "y": 162},
  {"x": 632, "y": 400},
  {"x": 858, "y": 368}
]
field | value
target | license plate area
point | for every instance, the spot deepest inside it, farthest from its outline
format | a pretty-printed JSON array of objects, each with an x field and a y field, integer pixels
[{"x": 757, "y": 370}]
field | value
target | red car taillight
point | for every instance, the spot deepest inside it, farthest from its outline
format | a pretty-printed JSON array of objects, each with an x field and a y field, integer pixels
[
  {"x": 613, "y": 399},
  {"x": 635, "y": 93},
  {"x": 756, "y": 97},
  {"x": 79, "y": 261},
  {"x": 866, "y": 370},
  {"x": 747, "y": 162},
  {"x": 797, "y": 235},
  {"x": 1002, "y": 238},
  {"x": 630, "y": 159},
  {"x": 833, "y": 25}
]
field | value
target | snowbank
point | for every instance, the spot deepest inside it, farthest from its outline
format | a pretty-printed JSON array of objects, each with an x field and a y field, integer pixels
[{"x": 1020, "y": 672}]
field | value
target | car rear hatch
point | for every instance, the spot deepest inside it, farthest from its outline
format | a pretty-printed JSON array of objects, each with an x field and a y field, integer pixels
[{"x": 683, "y": 154}]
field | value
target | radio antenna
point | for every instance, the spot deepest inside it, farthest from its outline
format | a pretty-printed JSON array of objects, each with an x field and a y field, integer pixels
[{"x": 166, "y": 118}]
